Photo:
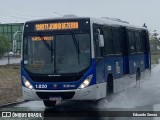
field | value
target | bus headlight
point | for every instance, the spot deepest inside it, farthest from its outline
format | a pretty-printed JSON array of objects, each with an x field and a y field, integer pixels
[
  {"x": 27, "y": 83},
  {"x": 86, "y": 82}
]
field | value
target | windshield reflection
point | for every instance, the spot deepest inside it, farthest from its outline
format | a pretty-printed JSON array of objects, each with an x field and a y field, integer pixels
[{"x": 64, "y": 54}]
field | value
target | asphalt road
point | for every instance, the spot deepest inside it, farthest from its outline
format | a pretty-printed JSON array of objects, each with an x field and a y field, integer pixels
[{"x": 145, "y": 97}]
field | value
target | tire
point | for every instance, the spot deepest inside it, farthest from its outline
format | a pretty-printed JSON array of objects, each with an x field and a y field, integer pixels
[
  {"x": 110, "y": 85},
  {"x": 48, "y": 103},
  {"x": 138, "y": 76}
]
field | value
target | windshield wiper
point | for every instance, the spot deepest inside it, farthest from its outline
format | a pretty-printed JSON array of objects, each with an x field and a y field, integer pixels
[
  {"x": 76, "y": 43},
  {"x": 45, "y": 43},
  {"x": 47, "y": 46}
]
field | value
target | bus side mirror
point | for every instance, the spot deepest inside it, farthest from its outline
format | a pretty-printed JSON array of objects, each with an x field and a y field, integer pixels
[{"x": 101, "y": 40}]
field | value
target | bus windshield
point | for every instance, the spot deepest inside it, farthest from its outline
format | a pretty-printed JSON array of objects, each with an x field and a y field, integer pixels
[{"x": 57, "y": 54}]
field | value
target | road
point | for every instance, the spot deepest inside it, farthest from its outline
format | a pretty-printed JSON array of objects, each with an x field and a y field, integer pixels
[
  {"x": 12, "y": 60},
  {"x": 145, "y": 97}
]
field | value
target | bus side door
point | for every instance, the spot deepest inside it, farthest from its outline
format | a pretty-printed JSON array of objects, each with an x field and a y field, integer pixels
[
  {"x": 145, "y": 40},
  {"x": 99, "y": 58},
  {"x": 124, "y": 43}
]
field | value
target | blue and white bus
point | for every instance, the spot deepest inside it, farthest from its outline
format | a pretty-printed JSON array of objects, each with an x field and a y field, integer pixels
[{"x": 80, "y": 58}]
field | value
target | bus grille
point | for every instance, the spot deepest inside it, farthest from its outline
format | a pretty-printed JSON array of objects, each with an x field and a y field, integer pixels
[
  {"x": 63, "y": 95},
  {"x": 46, "y": 78}
]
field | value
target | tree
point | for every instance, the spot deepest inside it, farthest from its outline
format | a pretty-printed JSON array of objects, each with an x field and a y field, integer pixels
[
  {"x": 154, "y": 42},
  {"x": 4, "y": 45},
  {"x": 155, "y": 47}
]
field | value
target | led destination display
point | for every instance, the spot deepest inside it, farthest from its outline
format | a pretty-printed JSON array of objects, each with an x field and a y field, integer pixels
[{"x": 56, "y": 26}]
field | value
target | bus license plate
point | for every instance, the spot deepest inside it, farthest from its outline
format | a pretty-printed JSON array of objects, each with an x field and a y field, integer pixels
[{"x": 55, "y": 98}]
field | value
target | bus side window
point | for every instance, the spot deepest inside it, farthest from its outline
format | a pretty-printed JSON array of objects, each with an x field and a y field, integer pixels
[
  {"x": 116, "y": 40},
  {"x": 108, "y": 41},
  {"x": 145, "y": 41},
  {"x": 124, "y": 41},
  {"x": 138, "y": 42},
  {"x": 96, "y": 43},
  {"x": 132, "y": 48}
]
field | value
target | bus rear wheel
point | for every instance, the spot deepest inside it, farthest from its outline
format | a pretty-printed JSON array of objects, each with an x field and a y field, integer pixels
[
  {"x": 138, "y": 75},
  {"x": 48, "y": 103},
  {"x": 109, "y": 85}
]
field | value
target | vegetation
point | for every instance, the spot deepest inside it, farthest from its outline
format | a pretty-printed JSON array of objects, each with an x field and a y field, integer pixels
[
  {"x": 155, "y": 47},
  {"x": 4, "y": 45},
  {"x": 10, "y": 84}
]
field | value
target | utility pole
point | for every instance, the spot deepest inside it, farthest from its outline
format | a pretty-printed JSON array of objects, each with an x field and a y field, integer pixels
[{"x": 14, "y": 47}]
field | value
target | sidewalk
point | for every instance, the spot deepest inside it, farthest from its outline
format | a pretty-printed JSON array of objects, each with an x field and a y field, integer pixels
[{"x": 4, "y": 61}]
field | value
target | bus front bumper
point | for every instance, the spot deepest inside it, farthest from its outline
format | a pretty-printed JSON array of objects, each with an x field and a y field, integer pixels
[{"x": 93, "y": 92}]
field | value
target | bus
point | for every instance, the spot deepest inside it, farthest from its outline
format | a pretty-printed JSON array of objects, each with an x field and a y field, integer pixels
[{"x": 81, "y": 58}]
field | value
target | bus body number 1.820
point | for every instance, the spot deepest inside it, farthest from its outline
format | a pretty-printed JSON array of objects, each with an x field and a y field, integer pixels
[{"x": 41, "y": 85}]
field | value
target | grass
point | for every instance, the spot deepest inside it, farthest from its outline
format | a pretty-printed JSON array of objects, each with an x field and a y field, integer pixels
[{"x": 10, "y": 84}]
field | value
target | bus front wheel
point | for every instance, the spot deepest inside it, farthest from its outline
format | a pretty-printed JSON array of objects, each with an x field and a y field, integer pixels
[{"x": 48, "y": 103}]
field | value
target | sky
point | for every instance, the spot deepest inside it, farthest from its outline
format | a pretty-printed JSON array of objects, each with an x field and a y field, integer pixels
[{"x": 136, "y": 12}]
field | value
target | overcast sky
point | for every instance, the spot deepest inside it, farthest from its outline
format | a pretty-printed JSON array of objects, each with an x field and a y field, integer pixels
[{"x": 136, "y": 12}]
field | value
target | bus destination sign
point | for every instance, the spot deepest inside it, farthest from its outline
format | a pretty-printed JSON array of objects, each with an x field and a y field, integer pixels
[
  {"x": 56, "y": 26},
  {"x": 46, "y": 38}
]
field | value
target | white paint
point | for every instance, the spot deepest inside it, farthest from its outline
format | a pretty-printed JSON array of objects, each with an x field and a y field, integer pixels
[
  {"x": 113, "y": 23},
  {"x": 109, "y": 68},
  {"x": 93, "y": 92}
]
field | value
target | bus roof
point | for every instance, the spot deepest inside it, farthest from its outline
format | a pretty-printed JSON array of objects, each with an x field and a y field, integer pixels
[
  {"x": 100, "y": 21},
  {"x": 58, "y": 18},
  {"x": 104, "y": 21}
]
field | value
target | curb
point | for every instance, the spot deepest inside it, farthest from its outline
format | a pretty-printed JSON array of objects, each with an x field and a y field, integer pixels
[{"x": 12, "y": 104}]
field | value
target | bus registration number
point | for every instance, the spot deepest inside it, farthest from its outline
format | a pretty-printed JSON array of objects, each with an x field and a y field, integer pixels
[
  {"x": 55, "y": 98},
  {"x": 41, "y": 86}
]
